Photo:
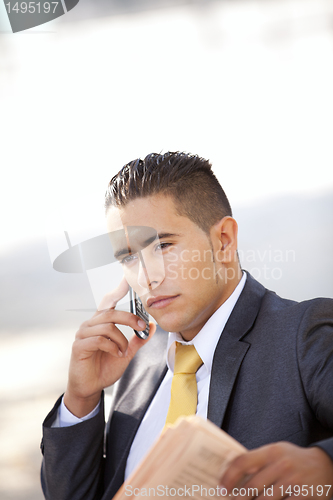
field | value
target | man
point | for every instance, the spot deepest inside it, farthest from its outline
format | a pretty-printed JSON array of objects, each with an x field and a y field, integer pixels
[{"x": 267, "y": 372}]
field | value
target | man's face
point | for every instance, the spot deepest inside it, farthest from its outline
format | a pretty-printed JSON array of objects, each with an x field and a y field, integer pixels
[{"x": 175, "y": 275}]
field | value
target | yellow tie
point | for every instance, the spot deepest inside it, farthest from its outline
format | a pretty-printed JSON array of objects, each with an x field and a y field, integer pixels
[{"x": 184, "y": 393}]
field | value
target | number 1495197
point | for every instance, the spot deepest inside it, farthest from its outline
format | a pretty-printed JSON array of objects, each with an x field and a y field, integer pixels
[
  {"x": 305, "y": 490},
  {"x": 32, "y": 7}
]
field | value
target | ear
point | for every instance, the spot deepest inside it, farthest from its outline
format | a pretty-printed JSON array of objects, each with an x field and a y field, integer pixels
[{"x": 224, "y": 238}]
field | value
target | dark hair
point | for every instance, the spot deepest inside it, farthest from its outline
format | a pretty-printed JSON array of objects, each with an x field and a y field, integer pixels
[{"x": 187, "y": 178}]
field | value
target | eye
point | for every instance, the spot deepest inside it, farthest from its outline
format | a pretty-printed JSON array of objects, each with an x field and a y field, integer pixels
[
  {"x": 162, "y": 246},
  {"x": 129, "y": 259}
]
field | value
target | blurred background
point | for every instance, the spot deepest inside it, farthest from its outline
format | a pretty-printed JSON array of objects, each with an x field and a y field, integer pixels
[{"x": 247, "y": 84}]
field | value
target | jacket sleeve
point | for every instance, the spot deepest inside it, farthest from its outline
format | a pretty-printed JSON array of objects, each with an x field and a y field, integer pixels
[
  {"x": 315, "y": 357},
  {"x": 73, "y": 463}
]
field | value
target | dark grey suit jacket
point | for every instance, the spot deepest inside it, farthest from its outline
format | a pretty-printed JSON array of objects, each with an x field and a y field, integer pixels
[{"x": 272, "y": 380}]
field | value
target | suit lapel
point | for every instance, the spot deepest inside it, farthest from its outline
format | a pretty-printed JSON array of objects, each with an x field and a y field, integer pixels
[
  {"x": 142, "y": 378},
  {"x": 231, "y": 350},
  {"x": 141, "y": 391}
]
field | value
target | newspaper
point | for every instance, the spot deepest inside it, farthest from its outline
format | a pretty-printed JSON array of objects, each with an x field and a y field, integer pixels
[{"x": 188, "y": 460}]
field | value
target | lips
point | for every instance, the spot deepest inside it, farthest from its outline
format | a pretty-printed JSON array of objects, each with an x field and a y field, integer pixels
[{"x": 160, "y": 301}]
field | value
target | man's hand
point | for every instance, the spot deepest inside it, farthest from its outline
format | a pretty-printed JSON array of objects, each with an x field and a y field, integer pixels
[
  {"x": 101, "y": 353},
  {"x": 278, "y": 466}
]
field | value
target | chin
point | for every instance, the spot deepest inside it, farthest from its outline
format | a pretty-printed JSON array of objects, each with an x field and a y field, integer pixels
[{"x": 171, "y": 324}]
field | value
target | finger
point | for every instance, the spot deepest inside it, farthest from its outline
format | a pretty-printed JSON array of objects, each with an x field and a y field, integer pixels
[
  {"x": 107, "y": 330},
  {"x": 110, "y": 299},
  {"x": 84, "y": 348},
  {"x": 136, "y": 343},
  {"x": 243, "y": 465},
  {"x": 114, "y": 316},
  {"x": 255, "y": 485}
]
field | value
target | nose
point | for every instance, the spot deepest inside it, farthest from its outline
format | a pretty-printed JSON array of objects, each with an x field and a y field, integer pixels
[{"x": 150, "y": 272}]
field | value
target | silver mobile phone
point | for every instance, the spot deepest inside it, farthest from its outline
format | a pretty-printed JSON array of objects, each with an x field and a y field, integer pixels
[{"x": 138, "y": 309}]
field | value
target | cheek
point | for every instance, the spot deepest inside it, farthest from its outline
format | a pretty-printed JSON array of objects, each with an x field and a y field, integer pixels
[{"x": 191, "y": 270}]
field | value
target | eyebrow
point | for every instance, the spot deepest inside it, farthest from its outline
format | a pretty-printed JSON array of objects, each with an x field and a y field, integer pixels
[{"x": 146, "y": 243}]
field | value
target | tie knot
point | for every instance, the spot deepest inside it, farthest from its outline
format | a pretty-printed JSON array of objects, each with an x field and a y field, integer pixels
[{"x": 187, "y": 360}]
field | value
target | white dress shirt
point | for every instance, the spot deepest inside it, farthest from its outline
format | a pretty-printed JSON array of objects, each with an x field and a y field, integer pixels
[{"x": 153, "y": 422}]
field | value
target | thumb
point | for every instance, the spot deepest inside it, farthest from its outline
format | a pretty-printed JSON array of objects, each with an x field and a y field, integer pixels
[{"x": 136, "y": 343}]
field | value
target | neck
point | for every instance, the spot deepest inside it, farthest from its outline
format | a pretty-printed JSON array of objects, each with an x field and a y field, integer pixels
[{"x": 231, "y": 277}]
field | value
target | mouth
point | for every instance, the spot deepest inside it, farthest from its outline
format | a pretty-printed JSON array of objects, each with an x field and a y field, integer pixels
[{"x": 160, "y": 301}]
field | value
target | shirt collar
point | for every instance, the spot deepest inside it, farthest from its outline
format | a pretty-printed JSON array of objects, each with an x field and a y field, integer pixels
[{"x": 206, "y": 340}]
